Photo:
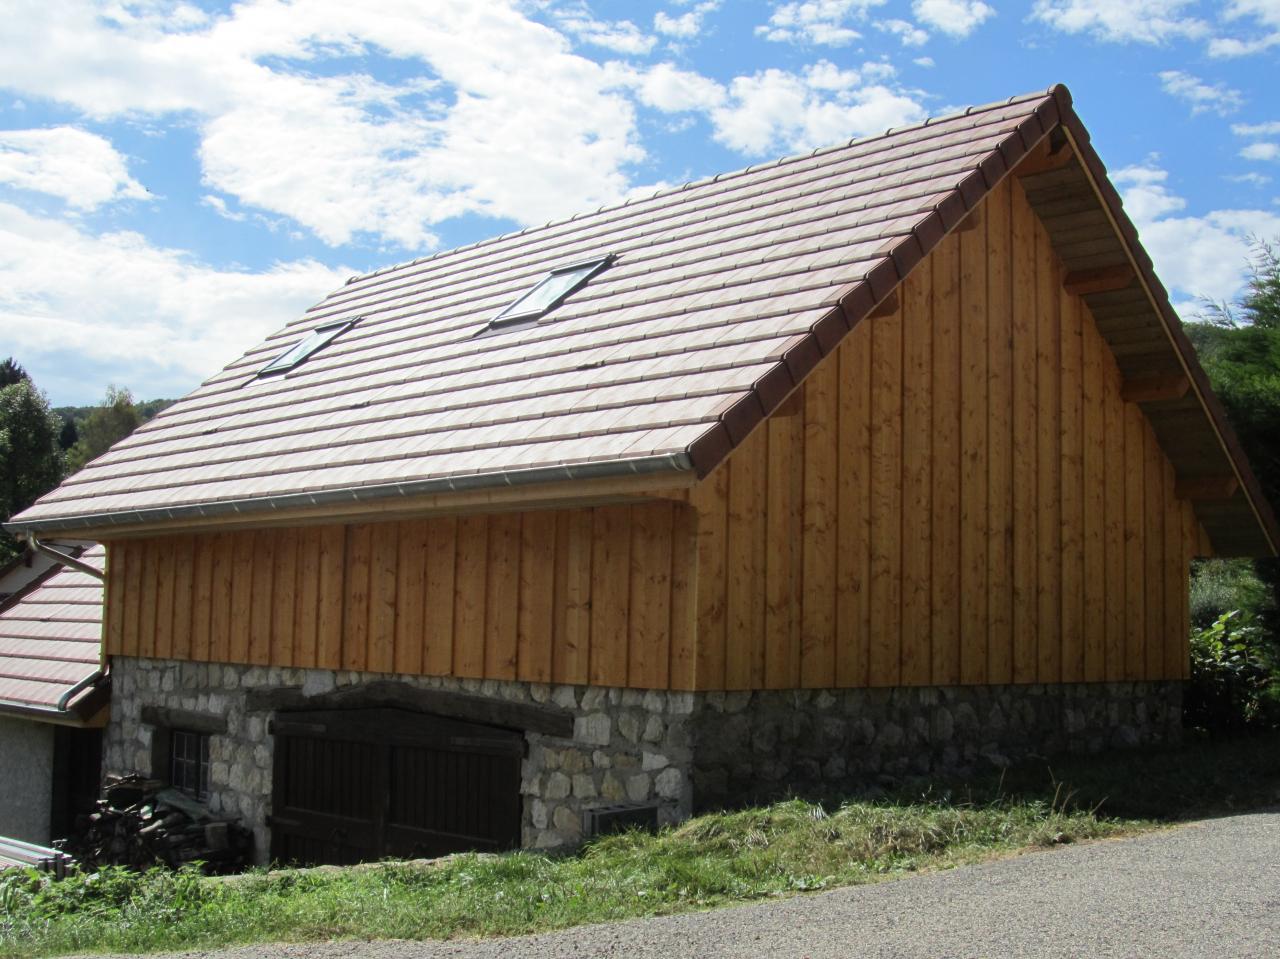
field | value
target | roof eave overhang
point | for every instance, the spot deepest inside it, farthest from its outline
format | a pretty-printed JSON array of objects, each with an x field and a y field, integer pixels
[
  {"x": 1238, "y": 518},
  {"x": 587, "y": 482},
  {"x": 1222, "y": 518},
  {"x": 84, "y": 709}
]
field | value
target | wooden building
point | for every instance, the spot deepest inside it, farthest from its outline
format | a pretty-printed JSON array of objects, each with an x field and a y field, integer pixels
[{"x": 632, "y": 499}]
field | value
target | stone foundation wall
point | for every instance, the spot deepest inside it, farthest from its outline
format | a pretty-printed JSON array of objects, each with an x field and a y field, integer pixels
[
  {"x": 627, "y": 745},
  {"x": 764, "y": 744},
  {"x": 680, "y": 750}
]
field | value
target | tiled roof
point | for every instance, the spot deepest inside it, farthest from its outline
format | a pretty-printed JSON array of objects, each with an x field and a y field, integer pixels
[
  {"x": 716, "y": 285},
  {"x": 723, "y": 296},
  {"x": 51, "y": 635}
]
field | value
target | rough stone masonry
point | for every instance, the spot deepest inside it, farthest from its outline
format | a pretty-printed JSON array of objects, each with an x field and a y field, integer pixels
[{"x": 680, "y": 750}]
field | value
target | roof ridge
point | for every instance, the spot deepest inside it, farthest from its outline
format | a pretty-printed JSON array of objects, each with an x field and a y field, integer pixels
[{"x": 715, "y": 178}]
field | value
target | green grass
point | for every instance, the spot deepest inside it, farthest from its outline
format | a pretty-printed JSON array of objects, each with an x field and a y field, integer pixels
[{"x": 782, "y": 849}]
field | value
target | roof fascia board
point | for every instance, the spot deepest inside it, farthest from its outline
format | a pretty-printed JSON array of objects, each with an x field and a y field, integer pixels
[
  {"x": 863, "y": 297},
  {"x": 579, "y": 484}
]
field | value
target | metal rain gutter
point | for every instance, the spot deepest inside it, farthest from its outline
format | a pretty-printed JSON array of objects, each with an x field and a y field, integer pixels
[
  {"x": 643, "y": 465},
  {"x": 60, "y": 711}
]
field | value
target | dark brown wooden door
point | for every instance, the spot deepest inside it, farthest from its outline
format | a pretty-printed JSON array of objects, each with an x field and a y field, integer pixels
[{"x": 365, "y": 784}]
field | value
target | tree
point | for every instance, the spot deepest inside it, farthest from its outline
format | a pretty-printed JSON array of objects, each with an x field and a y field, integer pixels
[
  {"x": 11, "y": 372},
  {"x": 1239, "y": 346},
  {"x": 114, "y": 419},
  {"x": 69, "y": 435},
  {"x": 30, "y": 459}
]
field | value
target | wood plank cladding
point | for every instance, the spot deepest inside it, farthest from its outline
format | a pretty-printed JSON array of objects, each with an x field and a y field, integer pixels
[
  {"x": 966, "y": 491},
  {"x": 601, "y": 595},
  {"x": 959, "y": 494}
]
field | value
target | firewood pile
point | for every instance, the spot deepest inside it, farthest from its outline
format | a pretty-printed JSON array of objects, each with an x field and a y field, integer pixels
[{"x": 142, "y": 822}]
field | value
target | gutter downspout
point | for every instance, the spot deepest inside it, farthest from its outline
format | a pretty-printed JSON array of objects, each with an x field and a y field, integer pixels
[
  {"x": 62, "y": 558},
  {"x": 70, "y": 694}
]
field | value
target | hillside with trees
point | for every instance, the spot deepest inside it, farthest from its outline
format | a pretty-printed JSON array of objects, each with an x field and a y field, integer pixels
[
  {"x": 1235, "y": 623},
  {"x": 40, "y": 446},
  {"x": 31, "y": 460}
]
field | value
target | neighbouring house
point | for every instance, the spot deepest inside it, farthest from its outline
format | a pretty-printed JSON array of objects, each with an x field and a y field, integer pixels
[
  {"x": 888, "y": 458},
  {"x": 25, "y": 567},
  {"x": 53, "y": 695}
]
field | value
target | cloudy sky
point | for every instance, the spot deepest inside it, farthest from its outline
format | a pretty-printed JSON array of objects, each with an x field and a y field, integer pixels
[{"x": 177, "y": 180}]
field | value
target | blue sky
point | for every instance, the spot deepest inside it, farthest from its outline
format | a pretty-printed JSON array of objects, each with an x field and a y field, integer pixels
[{"x": 178, "y": 180}]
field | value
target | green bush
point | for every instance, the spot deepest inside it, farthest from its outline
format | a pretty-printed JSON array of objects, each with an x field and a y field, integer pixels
[
  {"x": 1219, "y": 586},
  {"x": 1235, "y": 676}
]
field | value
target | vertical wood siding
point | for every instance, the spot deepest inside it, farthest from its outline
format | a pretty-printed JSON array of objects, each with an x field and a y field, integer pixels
[
  {"x": 600, "y": 595},
  {"x": 957, "y": 495}
]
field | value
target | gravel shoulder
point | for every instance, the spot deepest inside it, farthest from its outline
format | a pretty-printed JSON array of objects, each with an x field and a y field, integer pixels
[{"x": 1206, "y": 889}]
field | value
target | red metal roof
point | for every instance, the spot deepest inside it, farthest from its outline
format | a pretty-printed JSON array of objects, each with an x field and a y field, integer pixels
[{"x": 51, "y": 635}]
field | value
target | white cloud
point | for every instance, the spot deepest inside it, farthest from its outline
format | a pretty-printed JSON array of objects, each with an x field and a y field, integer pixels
[
  {"x": 1261, "y": 151},
  {"x": 475, "y": 132},
  {"x": 958, "y": 18},
  {"x": 686, "y": 25},
  {"x": 1265, "y": 15},
  {"x": 1201, "y": 96},
  {"x": 620, "y": 36},
  {"x": 1268, "y": 129},
  {"x": 817, "y": 22},
  {"x": 1197, "y": 256},
  {"x": 1123, "y": 21},
  {"x": 907, "y": 32},
  {"x": 84, "y": 311},
  {"x": 776, "y": 109},
  {"x": 1253, "y": 179},
  {"x": 1229, "y": 47},
  {"x": 926, "y": 62},
  {"x": 672, "y": 90},
  {"x": 79, "y": 167},
  {"x": 219, "y": 206}
]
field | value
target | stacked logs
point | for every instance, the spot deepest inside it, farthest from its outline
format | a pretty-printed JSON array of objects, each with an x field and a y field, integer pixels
[{"x": 142, "y": 822}]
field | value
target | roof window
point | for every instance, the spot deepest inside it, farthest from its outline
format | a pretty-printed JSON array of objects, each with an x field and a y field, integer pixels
[
  {"x": 319, "y": 337},
  {"x": 552, "y": 290}
]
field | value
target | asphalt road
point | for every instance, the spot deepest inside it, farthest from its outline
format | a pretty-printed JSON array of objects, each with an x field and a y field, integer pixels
[{"x": 1208, "y": 889}]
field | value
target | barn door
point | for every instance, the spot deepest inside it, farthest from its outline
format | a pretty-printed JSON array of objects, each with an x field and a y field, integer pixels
[{"x": 365, "y": 784}]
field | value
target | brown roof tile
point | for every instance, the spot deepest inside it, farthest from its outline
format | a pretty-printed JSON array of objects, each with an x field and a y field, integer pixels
[
  {"x": 722, "y": 296},
  {"x": 51, "y": 636}
]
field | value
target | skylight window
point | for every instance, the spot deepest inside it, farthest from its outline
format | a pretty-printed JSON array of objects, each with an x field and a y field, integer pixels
[
  {"x": 551, "y": 291},
  {"x": 319, "y": 337}
]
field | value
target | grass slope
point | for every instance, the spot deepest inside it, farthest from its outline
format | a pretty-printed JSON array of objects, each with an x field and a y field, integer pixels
[{"x": 716, "y": 859}]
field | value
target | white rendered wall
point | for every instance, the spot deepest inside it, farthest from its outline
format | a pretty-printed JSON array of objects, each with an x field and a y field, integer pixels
[{"x": 26, "y": 779}]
